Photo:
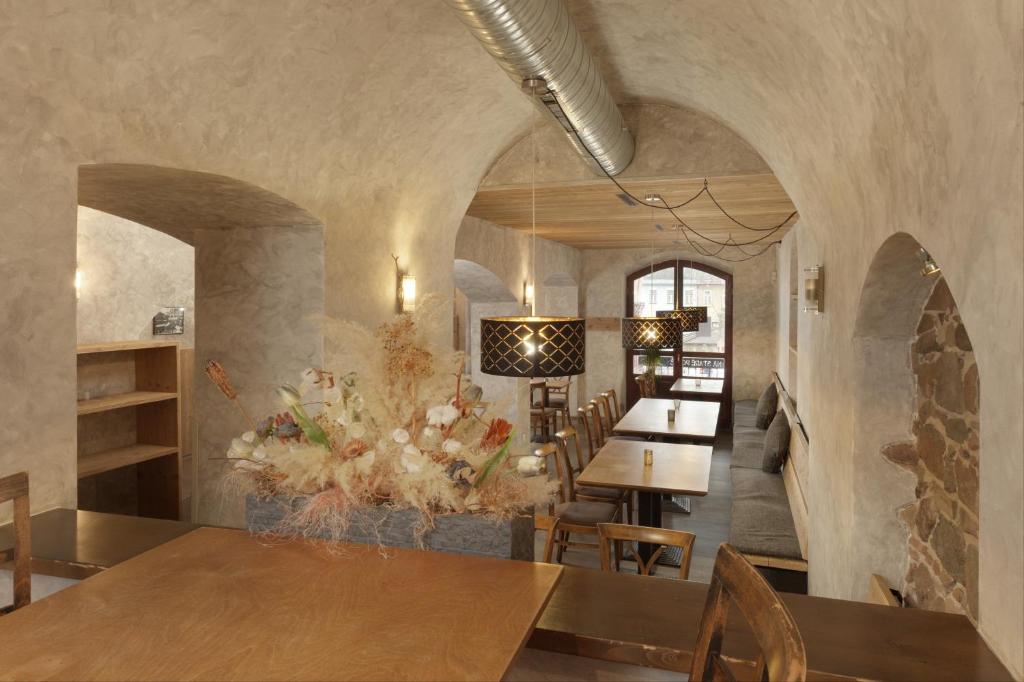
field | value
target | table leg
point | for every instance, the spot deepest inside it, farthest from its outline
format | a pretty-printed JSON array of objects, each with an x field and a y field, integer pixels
[{"x": 648, "y": 514}]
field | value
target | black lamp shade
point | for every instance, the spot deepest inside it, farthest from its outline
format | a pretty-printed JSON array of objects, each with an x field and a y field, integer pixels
[
  {"x": 646, "y": 333},
  {"x": 690, "y": 317},
  {"x": 533, "y": 346}
]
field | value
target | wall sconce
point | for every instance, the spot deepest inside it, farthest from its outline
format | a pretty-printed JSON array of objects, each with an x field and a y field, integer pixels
[
  {"x": 929, "y": 267},
  {"x": 406, "y": 289},
  {"x": 814, "y": 290},
  {"x": 407, "y": 294},
  {"x": 528, "y": 293},
  {"x": 78, "y": 284}
]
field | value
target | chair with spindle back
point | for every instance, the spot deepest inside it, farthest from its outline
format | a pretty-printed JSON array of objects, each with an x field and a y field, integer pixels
[
  {"x": 541, "y": 414},
  {"x": 619, "y": 533},
  {"x": 568, "y": 440},
  {"x": 549, "y": 525},
  {"x": 14, "y": 488},
  {"x": 574, "y": 516},
  {"x": 735, "y": 581},
  {"x": 592, "y": 434},
  {"x": 616, "y": 408},
  {"x": 558, "y": 399}
]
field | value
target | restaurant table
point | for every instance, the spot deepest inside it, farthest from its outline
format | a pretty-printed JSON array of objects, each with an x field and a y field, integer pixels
[
  {"x": 677, "y": 469},
  {"x": 222, "y": 604},
  {"x": 696, "y": 421},
  {"x": 654, "y": 622},
  {"x": 690, "y": 385}
]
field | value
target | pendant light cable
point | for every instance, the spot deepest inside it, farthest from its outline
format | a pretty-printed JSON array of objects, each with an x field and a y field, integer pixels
[{"x": 533, "y": 207}]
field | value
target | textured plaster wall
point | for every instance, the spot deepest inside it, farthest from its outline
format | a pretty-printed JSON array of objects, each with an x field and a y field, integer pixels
[
  {"x": 258, "y": 294},
  {"x": 129, "y": 272},
  {"x": 877, "y": 116},
  {"x": 753, "y": 317}
]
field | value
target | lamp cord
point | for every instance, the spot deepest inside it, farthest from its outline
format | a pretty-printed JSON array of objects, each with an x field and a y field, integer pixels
[{"x": 533, "y": 207}]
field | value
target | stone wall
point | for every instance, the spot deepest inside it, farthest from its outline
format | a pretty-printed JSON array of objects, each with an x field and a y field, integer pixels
[{"x": 942, "y": 523}]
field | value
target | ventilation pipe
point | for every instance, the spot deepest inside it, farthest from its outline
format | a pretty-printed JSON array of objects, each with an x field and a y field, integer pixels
[{"x": 538, "y": 45}]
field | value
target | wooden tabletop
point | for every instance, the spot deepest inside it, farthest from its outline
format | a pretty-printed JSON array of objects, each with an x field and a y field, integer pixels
[
  {"x": 682, "y": 469},
  {"x": 654, "y": 622},
  {"x": 696, "y": 420},
  {"x": 221, "y": 604},
  {"x": 77, "y": 544},
  {"x": 689, "y": 385}
]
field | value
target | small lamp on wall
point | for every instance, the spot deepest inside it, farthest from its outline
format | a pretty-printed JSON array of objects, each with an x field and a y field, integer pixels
[
  {"x": 528, "y": 294},
  {"x": 814, "y": 290},
  {"x": 928, "y": 265},
  {"x": 78, "y": 283},
  {"x": 406, "y": 290}
]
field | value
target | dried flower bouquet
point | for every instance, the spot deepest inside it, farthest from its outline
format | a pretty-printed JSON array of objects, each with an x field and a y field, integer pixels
[{"x": 400, "y": 427}]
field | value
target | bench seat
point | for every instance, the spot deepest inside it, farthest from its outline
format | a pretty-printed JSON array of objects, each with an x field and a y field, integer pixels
[{"x": 761, "y": 519}]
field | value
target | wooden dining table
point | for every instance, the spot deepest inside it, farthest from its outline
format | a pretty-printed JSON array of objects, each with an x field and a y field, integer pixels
[
  {"x": 684, "y": 386},
  {"x": 677, "y": 469},
  {"x": 218, "y": 604},
  {"x": 695, "y": 421}
]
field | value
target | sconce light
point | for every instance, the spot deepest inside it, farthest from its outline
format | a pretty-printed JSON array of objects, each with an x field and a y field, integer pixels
[
  {"x": 78, "y": 284},
  {"x": 528, "y": 293},
  {"x": 929, "y": 266},
  {"x": 814, "y": 290},
  {"x": 408, "y": 293}
]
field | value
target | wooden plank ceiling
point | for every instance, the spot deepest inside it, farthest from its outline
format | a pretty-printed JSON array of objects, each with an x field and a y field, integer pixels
[{"x": 591, "y": 215}]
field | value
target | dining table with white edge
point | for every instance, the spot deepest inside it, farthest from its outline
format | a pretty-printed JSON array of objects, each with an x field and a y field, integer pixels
[{"x": 675, "y": 469}]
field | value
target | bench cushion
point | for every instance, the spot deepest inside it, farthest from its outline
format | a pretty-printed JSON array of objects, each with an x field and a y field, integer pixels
[
  {"x": 747, "y": 439},
  {"x": 761, "y": 520},
  {"x": 747, "y": 456},
  {"x": 744, "y": 413}
]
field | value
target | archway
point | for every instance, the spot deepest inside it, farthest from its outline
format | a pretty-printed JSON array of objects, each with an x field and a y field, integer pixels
[
  {"x": 259, "y": 292},
  {"x": 917, "y": 435}
]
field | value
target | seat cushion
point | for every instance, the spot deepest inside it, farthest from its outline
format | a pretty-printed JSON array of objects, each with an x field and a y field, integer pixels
[
  {"x": 761, "y": 522},
  {"x": 747, "y": 456},
  {"x": 744, "y": 414},
  {"x": 610, "y": 494},
  {"x": 586, "y": 513},
  {"x": 767, "y": 404},
  {"x": 776, "y": 444}
]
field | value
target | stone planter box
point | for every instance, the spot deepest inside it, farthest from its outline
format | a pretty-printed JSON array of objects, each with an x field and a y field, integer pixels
[{"x": 457, "y": 533}]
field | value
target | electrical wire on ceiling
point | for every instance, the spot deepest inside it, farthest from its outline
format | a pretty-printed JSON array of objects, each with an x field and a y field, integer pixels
[{"x": 730, "y": 242}]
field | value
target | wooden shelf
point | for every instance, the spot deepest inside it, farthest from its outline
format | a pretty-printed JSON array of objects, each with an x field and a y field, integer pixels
[
  {"x": 117, "y": 346},
  {"x": 119, "y": 401},
  {"x": 97, "y": 463}
]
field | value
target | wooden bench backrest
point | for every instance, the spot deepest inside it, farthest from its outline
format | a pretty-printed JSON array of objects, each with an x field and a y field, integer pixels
[{"x": 795, "y": 471}]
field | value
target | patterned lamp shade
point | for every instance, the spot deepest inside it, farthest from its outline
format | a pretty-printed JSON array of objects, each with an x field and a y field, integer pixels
[
  {"x": 533, "y": 346},
  {"x": 690, "y": 317},
  {"x": 645, "y": 333}
]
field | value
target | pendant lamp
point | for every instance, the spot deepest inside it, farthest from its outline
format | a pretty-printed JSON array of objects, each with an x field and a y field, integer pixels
[
  {"x": 532, "y": 346},
  {"x": 690, "y": 317},
  {"x": 654, "y": 332}
]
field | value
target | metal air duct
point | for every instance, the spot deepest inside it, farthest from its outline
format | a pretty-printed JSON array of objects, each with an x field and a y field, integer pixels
[{"x": 537, "y": 39}]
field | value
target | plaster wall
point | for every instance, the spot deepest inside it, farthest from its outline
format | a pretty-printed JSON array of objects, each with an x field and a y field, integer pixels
[
  {"x": 877, "y": 116},
  {"x": 753, "y": 316},
  {"x": 259, "y": 292},
  {"x": 129, "y": 272}
]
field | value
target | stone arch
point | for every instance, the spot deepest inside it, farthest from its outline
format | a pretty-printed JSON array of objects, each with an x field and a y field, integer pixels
[
  {"x": 917, "y": 435},
  {"x": 259, "y": 294}
]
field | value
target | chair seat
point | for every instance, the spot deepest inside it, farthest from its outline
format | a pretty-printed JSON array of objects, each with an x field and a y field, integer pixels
[
  {"x": 553, "y": 401},
  {"x": 596, "y": 491},
  {"x": 586, "y": 513}
]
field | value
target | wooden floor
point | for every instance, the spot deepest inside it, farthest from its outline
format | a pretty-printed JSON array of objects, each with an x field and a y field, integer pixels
[{"x": 709, "y": 520}]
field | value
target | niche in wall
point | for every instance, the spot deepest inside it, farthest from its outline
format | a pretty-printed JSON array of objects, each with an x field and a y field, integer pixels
[{"x": 942, "y": 522}]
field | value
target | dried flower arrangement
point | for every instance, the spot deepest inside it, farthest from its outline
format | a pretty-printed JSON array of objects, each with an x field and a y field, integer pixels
[{"x": 402, "y": 427}]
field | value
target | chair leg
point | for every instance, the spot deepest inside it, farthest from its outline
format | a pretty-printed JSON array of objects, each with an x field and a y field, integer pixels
[
  {"x": 561, "y": 544},
  {"x": 629, "y": 507},
  {"x": 618, "y": 555}
]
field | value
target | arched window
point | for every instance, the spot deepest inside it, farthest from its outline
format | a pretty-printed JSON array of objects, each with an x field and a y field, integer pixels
[{"x": 706, "y": 353}]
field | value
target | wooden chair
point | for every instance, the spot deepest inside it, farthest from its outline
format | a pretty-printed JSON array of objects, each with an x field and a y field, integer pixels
[
  {"x": 592, "y": 430},
  {"x": 616, "y": 408},
  {"x": 736, "y": 581},
  {"x": 567, "y": 437},
  {"x": 574, "y": 516},
  {"x": 15, "y": 488},
  {"x": 542, "y": 417},
  {"x": 604, "y": 413},
  {"x": 620, "y": 533},
  {"x": 557, "y": 398},
  {"x": 547, "y": 524}
]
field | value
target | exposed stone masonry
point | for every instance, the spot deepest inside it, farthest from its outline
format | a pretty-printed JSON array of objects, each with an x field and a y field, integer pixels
[{"x": 942, "y": 524}]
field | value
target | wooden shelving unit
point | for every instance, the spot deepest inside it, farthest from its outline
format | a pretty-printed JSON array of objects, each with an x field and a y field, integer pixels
[{"x": 129, "y": 458}]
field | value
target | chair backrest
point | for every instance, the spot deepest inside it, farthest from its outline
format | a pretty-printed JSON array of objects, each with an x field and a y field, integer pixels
[
  {"x": 541, "y": 386},
  {"x": 648, "y": 385},
  {"x": 610, "y": 532},
  {"x": 604, "y": 409},
  {"x": 736, "y": 582},
  {"x": 562, "y": 468},
  {"x": 560, "y": 386},
  {"x": 569, "y": 439},
  {"x": 616, "y": 409},
  {"x": 548, "y": 524},
  {"x": 599, "y": 429},
  {"x": 591, "y": 429},
  {"x": 15, "y": 488}
]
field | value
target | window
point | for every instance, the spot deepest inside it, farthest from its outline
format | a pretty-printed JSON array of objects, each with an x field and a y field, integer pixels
[{"x": 707, "y": 297}]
